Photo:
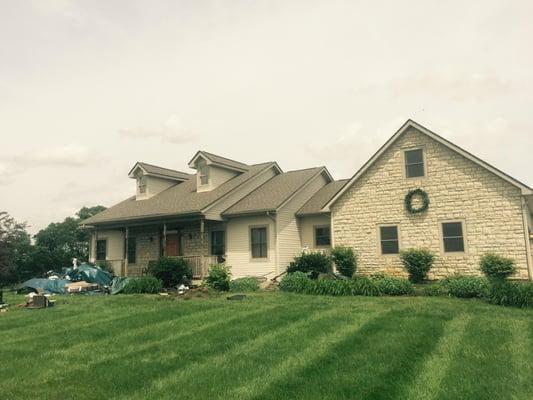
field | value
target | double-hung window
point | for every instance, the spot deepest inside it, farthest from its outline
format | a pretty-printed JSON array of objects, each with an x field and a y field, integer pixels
[
  {"x": 101, "y": 250},
  {"x": 414, "y": 163},
  {"x": 259, "y": 242},
  {"x": 453, "y": 237},
  {"x": 388, "y": 236},
  {"x": 132, "y": 250},
  {"x": 218, "y": 245},
  {"x": 322, "y": 236}
]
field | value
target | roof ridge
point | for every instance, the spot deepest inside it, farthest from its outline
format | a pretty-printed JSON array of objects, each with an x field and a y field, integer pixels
[{"x": 224, "y": 158}]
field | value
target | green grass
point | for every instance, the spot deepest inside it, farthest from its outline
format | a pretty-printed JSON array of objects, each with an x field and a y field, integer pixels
[{"x": 270, "y": 346}]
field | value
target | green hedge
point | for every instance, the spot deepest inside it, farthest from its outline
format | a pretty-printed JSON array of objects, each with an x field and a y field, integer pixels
[
  {"x": 392, "y": 286},
  {"x": 244, "y": 285},
  {"x": 465, "y": 286},
  {"x": 145, "y": 284}
]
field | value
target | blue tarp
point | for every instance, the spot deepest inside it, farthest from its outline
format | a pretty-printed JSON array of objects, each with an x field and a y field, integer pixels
[
  {"x": 89, "y": 273},
  {"x": 48, "y": 285}
]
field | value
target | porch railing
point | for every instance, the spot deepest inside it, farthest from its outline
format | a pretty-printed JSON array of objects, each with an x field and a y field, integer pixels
[{"x": 199, "y": 264}]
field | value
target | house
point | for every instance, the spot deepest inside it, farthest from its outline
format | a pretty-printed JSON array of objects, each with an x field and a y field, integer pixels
[
  {"x": 460, "y": 208},
  {"x": 255, "y": 218},
  {"x": 418, "y": 190}
]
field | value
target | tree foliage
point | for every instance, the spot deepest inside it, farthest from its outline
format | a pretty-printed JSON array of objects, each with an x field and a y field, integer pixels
[{"x": 13, "y": 239}]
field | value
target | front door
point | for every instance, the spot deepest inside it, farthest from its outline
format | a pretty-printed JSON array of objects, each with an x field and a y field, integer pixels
[{"x": 173, "y": 245}]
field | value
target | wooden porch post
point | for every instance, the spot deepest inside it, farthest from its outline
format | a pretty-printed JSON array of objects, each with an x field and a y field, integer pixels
[
  {"x": 202, "y": 241},
  {"x": 126, "y": 237},
  {"x": 164, "y": 239}
]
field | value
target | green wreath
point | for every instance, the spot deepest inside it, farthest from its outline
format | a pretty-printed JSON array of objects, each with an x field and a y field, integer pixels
[{"x": 409, "y": 201}]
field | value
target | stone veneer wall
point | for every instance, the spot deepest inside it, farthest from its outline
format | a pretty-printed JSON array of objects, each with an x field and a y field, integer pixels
[
  {"x": 149, "y": 250},
  {"x": 458, "y": 189}
]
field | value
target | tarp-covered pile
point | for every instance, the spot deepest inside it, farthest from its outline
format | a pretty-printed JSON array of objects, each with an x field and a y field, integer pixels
[{"x": 92, "y": 276}]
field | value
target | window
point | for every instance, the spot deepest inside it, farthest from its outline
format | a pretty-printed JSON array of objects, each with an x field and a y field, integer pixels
[
  {"x": 452, "y": 237},
  {"x": 101, "y": 249},
  {"x": 218, "y": 243},
  {"x": 414, "y": 163},
  {"x": 141, "y": 181},
  {"x": 322, "y": 236},
  {"x": 204, "y": 175},
  {"x": 259, "y": 242},
  {"x": 132, "y": 250},
  {"x": 389, "y": 240}
]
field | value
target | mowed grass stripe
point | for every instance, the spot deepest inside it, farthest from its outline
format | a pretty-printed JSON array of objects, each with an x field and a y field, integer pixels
[
  {"x": 226, "y": 365},
  {"x": 427, "y": 382},
  {"x": 522, "y": 356},
  {"x": 370, "y": 363},
  {"x": 484, "y": 368}
]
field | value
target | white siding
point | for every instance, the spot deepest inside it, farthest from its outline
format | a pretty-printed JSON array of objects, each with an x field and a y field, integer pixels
[
  {"x": 239, "y": 193},
  {"x": 217, "y": 176},
  {"x": 307, "y": 229},
  {"x": 288, "y": 229},
  {"x": 238, "y": 251}
]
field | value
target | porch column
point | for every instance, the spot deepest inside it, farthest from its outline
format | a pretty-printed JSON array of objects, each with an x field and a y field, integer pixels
[
  {"x": 202, "y": 241},
  {"x": 126, "y": 237},
  {"x": 164, "y": 244}
]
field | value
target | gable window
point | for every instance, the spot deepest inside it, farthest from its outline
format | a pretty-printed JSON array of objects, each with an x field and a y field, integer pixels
[
  {"x": 141, "y": 182},
  {"x": 258, "y": 241},
  {"x": 218, "y": 243},
  {"x": 132, "y": 250},
  {"x": 452, "y": 237},
  {"x": 101, "y": 250},
  {"x": 388, "y": 236},
  {"x": 414, "y": 163},
  {"x": 322, "y": 236},
  {"x": 204, "y": 174}
]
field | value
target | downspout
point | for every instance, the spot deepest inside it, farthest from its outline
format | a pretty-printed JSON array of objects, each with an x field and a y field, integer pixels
[
  {"x": 526, "y": 238},
  {"x": 126, "y": 244},
  {"x": 276, "y": 261}
]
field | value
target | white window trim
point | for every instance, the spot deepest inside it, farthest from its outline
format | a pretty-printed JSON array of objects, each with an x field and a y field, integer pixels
[
  {"x": 380, "y": 252},
  {"x": 259, "y": 259},
  {"x": 424, "y": 160},
  {"x": 441, "y": 238}
]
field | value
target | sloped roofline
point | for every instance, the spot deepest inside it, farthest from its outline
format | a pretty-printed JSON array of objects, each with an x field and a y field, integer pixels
[
  {"x": 183, "y": 176},
  {"x": 223, "y": 162},
  {"x": 525, "y": 189}
]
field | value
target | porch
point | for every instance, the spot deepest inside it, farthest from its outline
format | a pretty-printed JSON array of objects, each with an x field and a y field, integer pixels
[{"x": 130, "y": 249}]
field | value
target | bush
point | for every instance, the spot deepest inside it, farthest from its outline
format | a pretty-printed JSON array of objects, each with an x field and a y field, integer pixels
[
  {"x": 244, "y": 285},
  {"x": 345, "y": 260},
  {"x": 297, "y": 282},
  {"x": 496, "y": 267},
  {"x": 392, "y": 286},
  {"x": 505, "y": 293},
  {"x": 145, "y": 284},
  {"x": 417, "y": 262},
  {"x": 465, "y": 286},
  {"x": 312, "y": 263},
  {"x": 171, "y": 271},
  {"x": 434, "y": 289},
  {"x": 219, "y": 277},
  {"x": 364, "y": 286}
]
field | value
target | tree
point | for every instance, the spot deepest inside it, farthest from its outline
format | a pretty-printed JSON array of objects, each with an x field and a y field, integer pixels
[{"x": 13, "y": 236}]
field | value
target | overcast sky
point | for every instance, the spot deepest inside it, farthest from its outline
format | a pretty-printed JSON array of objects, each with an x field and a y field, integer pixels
[{"x": 88, "y": 88}]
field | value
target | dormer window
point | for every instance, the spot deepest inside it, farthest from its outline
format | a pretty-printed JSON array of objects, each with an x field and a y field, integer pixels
[
  {"x": 204, "y": 174},
  {"x": 141, "y": 182}
]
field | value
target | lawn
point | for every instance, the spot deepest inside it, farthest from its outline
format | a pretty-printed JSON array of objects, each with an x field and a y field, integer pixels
[{"x": 269, "y": 346}]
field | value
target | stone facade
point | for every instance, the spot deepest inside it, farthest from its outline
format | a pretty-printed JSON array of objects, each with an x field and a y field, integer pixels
[{"x": 459, "y": 190}]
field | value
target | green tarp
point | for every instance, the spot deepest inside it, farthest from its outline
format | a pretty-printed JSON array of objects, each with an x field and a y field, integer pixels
[
  {"x": 89, "y": 273},
  {"x": 118, "y": 284},
  {"x": 48, "y": 285}
]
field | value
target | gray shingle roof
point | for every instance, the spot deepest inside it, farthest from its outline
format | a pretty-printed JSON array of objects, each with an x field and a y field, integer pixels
[
  {"x": 223, "y": 160},
  {"x": 171, "y": 173},
  {"x": 180, "y": 199},
  {"x": 320, "y": 199},
  {"x": 270, "y": 195}
]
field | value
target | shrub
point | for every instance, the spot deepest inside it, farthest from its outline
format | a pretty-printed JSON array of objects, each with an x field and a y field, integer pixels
[
  {"x": 506, "y": 293},
  {"x": 392, "y": 286},
  {"x": 219, "y": 277},
  {"x": 417, "y": 262},
  {"x": 435, "y": 289},
  {"x": 297, "y": 282},
  {"x": 171, "y": 271},
  {"x": 244, "y": 285},
  {"x": 496, "y": 267},
  {"x": 145, "y": 284},
  {"x": 465, "y": 286},
  {"x": 364, "y": 286},
  {"x": 345, "y": 260},
  {"x": 312, "y": 263}
]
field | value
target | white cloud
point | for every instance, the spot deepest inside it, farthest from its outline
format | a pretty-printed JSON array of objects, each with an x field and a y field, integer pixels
[{"x": 173, "y": 130}]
